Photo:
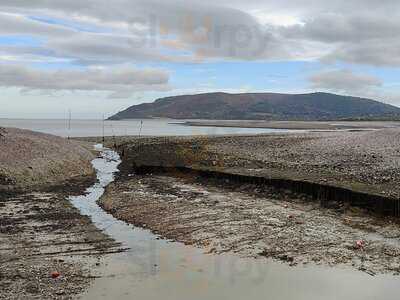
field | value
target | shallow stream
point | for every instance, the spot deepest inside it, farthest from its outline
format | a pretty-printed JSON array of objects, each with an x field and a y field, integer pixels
[{"x": 154, "y": 268}]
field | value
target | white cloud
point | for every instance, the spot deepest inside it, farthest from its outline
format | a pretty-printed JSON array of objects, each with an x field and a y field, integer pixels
[
  {"x": 120, "y": 82},
  {"x": 345, "y": 81}
]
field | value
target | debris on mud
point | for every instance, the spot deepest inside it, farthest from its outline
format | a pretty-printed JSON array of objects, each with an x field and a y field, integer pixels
[
  {"x": 255, "y": 221},
  {"x": 48, "y": 249}
]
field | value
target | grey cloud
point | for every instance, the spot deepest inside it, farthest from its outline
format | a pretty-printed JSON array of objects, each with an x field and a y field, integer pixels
[
  {"x": 214, "y": 31},
  {"x": 223, "y": 29},
  {"x": 118, "y": 81},
  {"x": 334, "y": 28},
  {"x": 207, "y": 30},
  {"x": 345, "y": 81},
  {"x": 368, "y": 38},
  {"x": 84, "y": 47},
  {"x": 104, "y": 48},
  {"x": 14, "y": 24},
  {"x": 378, "y": 52}
]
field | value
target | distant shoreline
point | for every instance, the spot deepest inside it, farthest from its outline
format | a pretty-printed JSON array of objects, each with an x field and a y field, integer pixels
[{"x": 296, "y": 125}]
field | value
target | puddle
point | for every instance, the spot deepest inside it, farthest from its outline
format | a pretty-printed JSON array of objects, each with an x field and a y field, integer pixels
[{"x": 158, "y": 269}]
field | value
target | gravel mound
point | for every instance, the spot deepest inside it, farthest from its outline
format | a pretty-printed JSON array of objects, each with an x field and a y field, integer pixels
[
  {"x": 366, "y": 160},
  {"x": 31, "y": 160}
]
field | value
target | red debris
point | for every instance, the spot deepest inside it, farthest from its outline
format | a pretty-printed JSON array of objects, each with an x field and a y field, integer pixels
[
  {"x": 55, "y": 275},
  {"x": 360, "y": 244}
]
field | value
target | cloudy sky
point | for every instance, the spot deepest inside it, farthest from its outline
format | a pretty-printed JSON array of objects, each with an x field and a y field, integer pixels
[{"x": 100, "y": 56}]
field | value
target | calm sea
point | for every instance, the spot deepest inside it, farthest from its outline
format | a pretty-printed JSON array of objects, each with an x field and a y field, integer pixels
[{"x": 81, "y": 128}]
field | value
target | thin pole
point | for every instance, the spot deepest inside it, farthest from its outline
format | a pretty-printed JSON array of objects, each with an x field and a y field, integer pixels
[
  {"x": 103, "y": 128},
  {"x": 113, "y": 133},
  {"x": 141, "y": 126},
  {"x": 69, "y": 123}
]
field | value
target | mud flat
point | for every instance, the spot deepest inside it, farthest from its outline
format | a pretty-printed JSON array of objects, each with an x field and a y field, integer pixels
[
  {"x": 222, "y": 214},
  {"x": 48, "y": 250}
]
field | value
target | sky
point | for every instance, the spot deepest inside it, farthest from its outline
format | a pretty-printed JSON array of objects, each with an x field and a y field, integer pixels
[{"x": 97, "y": 57}]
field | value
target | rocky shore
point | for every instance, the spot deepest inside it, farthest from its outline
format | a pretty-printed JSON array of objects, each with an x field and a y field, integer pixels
[
  {"x": 48, "y": 249},
  {"x": 364, "y": 161},
  {"x": 258, "y": 220}
]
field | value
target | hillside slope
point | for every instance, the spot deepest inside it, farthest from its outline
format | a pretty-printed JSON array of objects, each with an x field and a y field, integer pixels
[{"x": 261, "y": 106}]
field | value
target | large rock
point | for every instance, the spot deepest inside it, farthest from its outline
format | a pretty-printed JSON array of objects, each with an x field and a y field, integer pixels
[{"x": 31, "y": 160}]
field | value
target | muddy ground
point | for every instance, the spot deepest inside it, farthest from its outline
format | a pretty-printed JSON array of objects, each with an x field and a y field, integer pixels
[
  {"x": 255, "y": 221},
  {"x": 42, "y": 233}
]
